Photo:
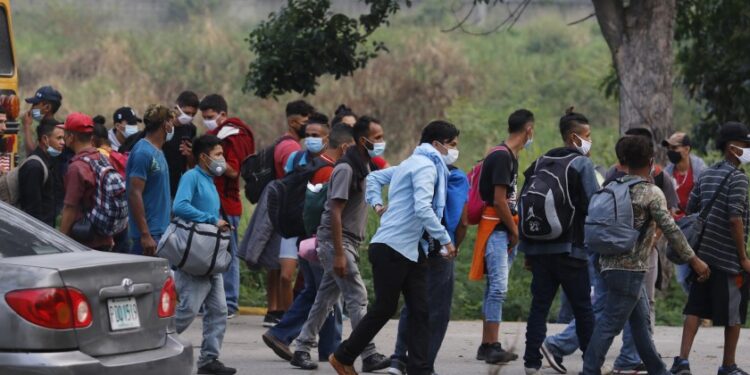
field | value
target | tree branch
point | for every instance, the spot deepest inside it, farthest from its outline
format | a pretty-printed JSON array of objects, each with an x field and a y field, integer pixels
[
  {"x": 611, "y": 17},
  {"x": 582, "y": 19},
  {"x": 513, "y": 16},
  {"x": 461, "y": 22}
]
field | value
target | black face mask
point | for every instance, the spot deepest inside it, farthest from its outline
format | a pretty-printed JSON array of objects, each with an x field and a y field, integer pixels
[
  {"x": 301, "y": 131},
  {"x": 674, "y": 156}
]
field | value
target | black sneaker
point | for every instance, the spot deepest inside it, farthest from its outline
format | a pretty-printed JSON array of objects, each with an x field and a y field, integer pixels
[
  {"x": 277, "y": 346},
  {"x": 216, "y": 368},
  {"x": 680, "y": 367},
  {"x": 554, "y": 361},
  {"x": 375, "y": 362},
  {"x": 496, "y": 355},
  {"x": 303, "y": 361},
  {"x": 398, "y": 367},
  {"x": 731, "y": 370},
  {"x": 270, "y": 320},
  {"x": 482, "y": 352}
]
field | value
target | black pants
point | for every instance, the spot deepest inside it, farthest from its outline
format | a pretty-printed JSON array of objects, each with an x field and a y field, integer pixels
[
  {"x": 393, "y": 274},
  {"x": 549, "y": 272}
]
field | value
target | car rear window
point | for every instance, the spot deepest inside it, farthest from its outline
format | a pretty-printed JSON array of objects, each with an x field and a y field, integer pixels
[{"x": 21, "y": 235}]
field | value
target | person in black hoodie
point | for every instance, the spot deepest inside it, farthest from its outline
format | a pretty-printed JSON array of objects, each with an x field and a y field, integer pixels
[{"x": 37, "y": 175}]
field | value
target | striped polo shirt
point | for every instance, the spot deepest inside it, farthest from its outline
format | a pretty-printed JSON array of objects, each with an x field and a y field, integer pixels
[{"x": 717, "y": 247}]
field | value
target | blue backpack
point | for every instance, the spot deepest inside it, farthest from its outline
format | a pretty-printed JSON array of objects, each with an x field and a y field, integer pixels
[{"x": 608, "y": 228}]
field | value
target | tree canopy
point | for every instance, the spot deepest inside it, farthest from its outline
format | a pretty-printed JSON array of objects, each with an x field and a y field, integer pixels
[
  {"x": 713, "y": 38},
  {"x": 305, "y": 40}
]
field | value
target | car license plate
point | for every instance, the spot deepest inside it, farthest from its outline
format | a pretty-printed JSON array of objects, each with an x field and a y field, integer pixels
[{"x": 123, "y": 313}]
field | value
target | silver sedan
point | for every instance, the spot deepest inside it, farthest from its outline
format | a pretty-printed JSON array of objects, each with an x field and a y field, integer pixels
[{"x": 66, "y": 309}]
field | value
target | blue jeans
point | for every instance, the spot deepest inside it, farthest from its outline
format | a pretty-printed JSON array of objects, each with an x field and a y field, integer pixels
[
  {"x": 549, "y": 272},
  {"x": 440, "y": 277},
  {"x": 497, "y": 262},
  {"x": 626, "y": 302},
  {"x": 137, "y": 249},
  {"x": 291, "y": 323},
  {"x": 207, "y": 291},
  {"x": 566, "y": 342},
  {"x": 232, "y": 274}
]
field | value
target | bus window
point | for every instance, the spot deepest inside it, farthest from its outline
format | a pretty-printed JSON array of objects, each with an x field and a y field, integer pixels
[{"x": 6, "y": 50}]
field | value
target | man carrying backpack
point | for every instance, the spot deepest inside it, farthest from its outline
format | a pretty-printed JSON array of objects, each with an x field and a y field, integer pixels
[
  {"x": 279, "y": 297},
  {"x": 36, "y": 176},
  {"x": 282, "y": 334},
  {"x": 497, "y": 234},
  {"x": 723, "y": 297},
  {"x": 238, "y": 143},
  {"x": 81, "y": 184},
  {"x": 300, "y": 166},
  {"x": 552, "y": 209},
  {"x": 341, "y": 230},
  {"x": 624, "y": 271}
]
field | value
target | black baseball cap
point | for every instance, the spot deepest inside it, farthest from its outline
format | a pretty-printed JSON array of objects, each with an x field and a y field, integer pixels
[
  {"x": 127, "y": 114},
  {"x": 47, "y": 93},
  {"x": 732, "y": 131}
]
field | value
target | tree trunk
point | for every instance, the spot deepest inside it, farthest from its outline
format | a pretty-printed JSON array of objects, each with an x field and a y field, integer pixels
[{"x": 639, "y": 37}]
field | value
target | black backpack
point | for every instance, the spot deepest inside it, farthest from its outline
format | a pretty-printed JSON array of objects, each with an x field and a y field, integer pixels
[
  {"x": 289, "y": 200},
  {"x": 258, "y": 170},
  {"x": 546, "y": 210}
]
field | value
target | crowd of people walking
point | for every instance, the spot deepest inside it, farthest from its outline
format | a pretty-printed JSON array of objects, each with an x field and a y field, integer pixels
[{"x": 596, "y": 234}]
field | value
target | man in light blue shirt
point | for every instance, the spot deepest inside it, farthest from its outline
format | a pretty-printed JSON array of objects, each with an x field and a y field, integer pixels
[
  {"x": 197, "y": 200},
  {"x": 417, "y": 200}
]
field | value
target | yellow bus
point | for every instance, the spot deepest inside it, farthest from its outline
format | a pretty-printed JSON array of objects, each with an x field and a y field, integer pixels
[{"x": 8, "y": 90}]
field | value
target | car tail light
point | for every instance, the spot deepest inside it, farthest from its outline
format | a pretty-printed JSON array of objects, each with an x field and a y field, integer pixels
[
  {"x": 167, "y": 299},
  {"x": 56, "y": 308}
]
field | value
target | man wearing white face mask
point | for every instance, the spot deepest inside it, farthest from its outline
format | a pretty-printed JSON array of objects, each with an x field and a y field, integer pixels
[
  {"x": 723, "y": 298},
  {"x": 238, "y": 142},
  {"x": 178, "y": 151},
  {"x": 417, "y": 197},
  {"x": 125, "y": 125},
  {"x": 551, "y": 236}
]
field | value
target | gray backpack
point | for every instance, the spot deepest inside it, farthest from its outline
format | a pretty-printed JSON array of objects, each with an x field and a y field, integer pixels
[
  {"x": 608, "y": 229},
  {"x": 196, "y": 248},
  {"x": 10, "y": 190}
]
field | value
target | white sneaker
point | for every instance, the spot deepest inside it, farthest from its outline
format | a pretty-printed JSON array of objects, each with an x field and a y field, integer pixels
[
  {"x": 532, "y": 371},
  {"x": 607, "y": 369}
]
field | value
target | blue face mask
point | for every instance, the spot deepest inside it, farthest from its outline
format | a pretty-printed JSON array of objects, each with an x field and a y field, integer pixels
[
  {"x": 36, "y": 113},
  {"x": 53, "y": 151},
  {"x": 377, "y": 149},
  {"x": 314, "y": 144},
  {"x": 528, "y": 143},
  {"x": 170, "y": 135},
  {"x": 130, "y": 130}
]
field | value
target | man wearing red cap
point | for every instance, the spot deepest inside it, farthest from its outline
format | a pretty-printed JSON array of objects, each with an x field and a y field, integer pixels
[{"x": 80, "y": 181}]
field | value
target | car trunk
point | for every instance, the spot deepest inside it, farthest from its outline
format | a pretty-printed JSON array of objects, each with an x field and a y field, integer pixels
[{"x": 124, "y": 293}]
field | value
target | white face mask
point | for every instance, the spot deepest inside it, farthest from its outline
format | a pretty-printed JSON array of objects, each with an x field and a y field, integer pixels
[
  {"x": 451, "y": 157},
  {"x": 210, "y": 124},
  {"x": 585, "y": 146},
  {"x": 184, "y": 118},
  {"x": 745, "y": 157}
]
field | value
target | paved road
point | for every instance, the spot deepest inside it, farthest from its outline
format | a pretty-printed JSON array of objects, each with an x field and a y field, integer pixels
[{"x": 244, "y": 349}]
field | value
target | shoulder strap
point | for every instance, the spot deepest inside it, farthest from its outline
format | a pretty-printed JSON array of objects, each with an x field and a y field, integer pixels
[
  {"x": 706, "y": 210},
  {"x": 44, "y": 166}
]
